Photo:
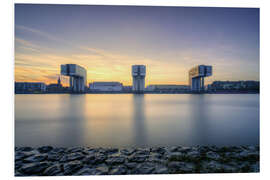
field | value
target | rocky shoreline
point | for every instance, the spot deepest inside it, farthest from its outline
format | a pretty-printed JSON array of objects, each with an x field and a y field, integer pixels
[{"x": 52, "y": 161}]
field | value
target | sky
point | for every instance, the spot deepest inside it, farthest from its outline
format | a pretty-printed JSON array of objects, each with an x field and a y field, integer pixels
[{"x": 108, "y": 40}]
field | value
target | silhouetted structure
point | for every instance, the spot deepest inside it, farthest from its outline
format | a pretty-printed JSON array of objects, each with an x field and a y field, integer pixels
[
  {"x": 234, "y": 86},
  {"x": 138, "y": 75},
  {"x": 30, "y": 87},
  {"x": 77, "y": 76},
  {"x": 56, "y": 88},
  {"x": 106, "y": 86},
  {"x": 196, "y": 77},
  {"x": 167, "y": 88}
]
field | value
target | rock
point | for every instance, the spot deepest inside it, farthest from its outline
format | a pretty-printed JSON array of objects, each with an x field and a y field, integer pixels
[
  {"x": 229, "y": 169},
  {"x": 174, "y": 149},
  {"x": 35, "y": 158},
  {"x": 90, "y": 159},
  {"x": 127, "y": 151},
  {"x": 193, "y": 156},
  {"x": 24, "y": 149},
  {"x": 181, "y": 167},
  {"x": 71, "y": 167},
  {"x": 45, "y": 149},
  {"x": 57, "y": 150},
  {"x": 102, "y": 169},
  {"x": 212, "y": 156},
  {"x": 212, "y": 167},
  {"x": 213, "y": 148},
  {"x": 34, "y": 168},
  {"x": 91, "y": 150},
  {"x": 155, "y": 160},
  {"x": 137, "y": 158},
  {"x": 248, "y": 156},
  {"x": 112, "y": 150},
  {"x": 52, "y": 170},
  {"x": 176, "y": 156},
  {"x": 18, "y": 164},
  {"x": 143, "y": 151},
  {"x": 115, "y": 160},
  {"x": 203, "y": 149},
  {"x": 244, "y": 167},
  {"x": 225, "y": 149},
  {"x": 228, "y": 156},
  {"x": 17, "y": 173},
  {"x": 131, "y": 165},
  {"x": 159, "y": 160},
  {"x": 87, "y": 171},
  {"x": 54, "y": 157},
  {"x": 118, "y": 170},
  {"x": 255, "y": 167},
  {"x": 156, "y": 155},
  {"x": 100, "y": 158},
  {"x": 72, "y": 157},
  {"x": 75, "y": 156},
  {"x": 144, "y": 168},
  {"x": 162, "y": 170},
  {"x": 184, "y": 149},
  {"x": 74, "y": 149},
  {"x": 159, "y": 150},
  {"x": 21, "y": 155}
]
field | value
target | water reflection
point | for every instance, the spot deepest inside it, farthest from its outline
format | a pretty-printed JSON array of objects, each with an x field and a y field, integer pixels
[
  {"x": 139, "y": 120},
  {"x": 73, "y": 117},
  {"x": 127, "y": 120},
  {"x": 199, "y": 119}
]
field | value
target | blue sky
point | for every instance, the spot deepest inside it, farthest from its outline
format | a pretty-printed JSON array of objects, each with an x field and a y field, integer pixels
[{"x": 107, "y": 40}]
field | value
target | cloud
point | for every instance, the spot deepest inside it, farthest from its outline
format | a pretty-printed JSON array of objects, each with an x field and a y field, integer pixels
[
  {"x": 38, "y": 32},
  {"x": 165, "y": 67}
]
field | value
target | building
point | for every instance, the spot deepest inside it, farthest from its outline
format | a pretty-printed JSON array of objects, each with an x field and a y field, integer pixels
[
  {"x": 167, "y": 88},
  {"x": 138, "y": 76},
  {"x": 77, "y": 76},
  {"x": 127, "y": 89},
  {"x": 234, "y": 86},
  {"x": 106, "y": 86},
  {"x": 197, "y": 75},
  {"x": 29, "y": 87},
  {"x": 55, "y": 87}
]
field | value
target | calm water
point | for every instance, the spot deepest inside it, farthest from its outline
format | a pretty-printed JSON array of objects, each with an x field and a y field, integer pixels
[{"x": 126, "y": 120}]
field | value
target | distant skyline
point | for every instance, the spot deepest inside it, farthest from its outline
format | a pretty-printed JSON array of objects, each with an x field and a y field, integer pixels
[{"x": 108, "y": 40}]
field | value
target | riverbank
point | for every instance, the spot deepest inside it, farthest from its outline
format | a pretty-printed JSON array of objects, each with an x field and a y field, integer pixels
[
  {"x": 49, "y": 161},
  {"x": 222, "y": 92}
]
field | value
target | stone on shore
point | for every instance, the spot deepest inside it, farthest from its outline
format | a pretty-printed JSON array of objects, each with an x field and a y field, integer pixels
[{"x": 50, "y": 161}]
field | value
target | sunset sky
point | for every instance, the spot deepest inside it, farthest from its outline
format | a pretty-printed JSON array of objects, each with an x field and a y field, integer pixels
[{"x": 107, "y": 40}]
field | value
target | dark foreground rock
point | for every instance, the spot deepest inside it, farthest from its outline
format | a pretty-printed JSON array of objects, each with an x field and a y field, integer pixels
[{"x": 49, "y": 161}]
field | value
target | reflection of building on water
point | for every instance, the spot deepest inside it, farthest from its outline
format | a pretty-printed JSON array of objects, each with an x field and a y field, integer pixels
[
  {"x": 139, "y": 120},
  {"x": 199, "y": 118},
  {"x": 72, "y": 116}
]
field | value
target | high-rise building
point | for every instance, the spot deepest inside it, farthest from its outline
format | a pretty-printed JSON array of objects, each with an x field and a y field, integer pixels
[
  {"x": 138, "y": 75},
  {"x": 77, "y": 76},
  {"x": 197, "y": 75}
]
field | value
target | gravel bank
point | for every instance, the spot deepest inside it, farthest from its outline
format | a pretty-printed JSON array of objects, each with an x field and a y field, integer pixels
[{"x": 50, "y": 161}]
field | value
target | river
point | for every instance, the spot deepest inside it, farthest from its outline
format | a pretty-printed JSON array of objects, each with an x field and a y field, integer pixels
[{"x": 127, "y": 120}]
